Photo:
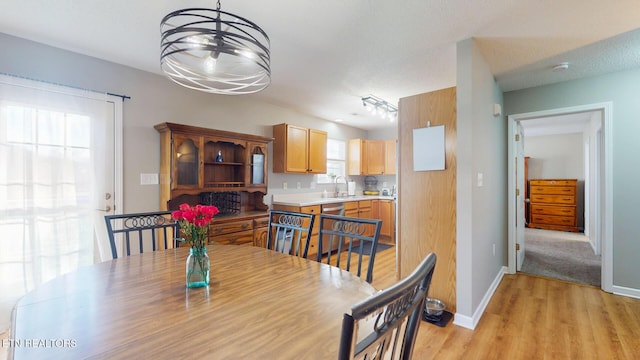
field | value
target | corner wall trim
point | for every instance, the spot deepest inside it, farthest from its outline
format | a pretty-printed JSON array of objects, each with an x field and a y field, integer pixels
[{"x": 471, "y": 322}]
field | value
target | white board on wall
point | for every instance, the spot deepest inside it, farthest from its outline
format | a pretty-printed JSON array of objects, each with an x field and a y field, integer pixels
[{"x": 428, "y": 148}]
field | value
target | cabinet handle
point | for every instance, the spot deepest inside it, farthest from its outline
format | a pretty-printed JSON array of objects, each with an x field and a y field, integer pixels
[
  {"x": 232, "y": 240},
  {"x": 245, "y": 226},
  {"x": 219, "y": 229}
]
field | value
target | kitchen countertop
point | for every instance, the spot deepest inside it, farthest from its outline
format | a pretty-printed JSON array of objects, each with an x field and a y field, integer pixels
[{"x": 309, "y": 199}]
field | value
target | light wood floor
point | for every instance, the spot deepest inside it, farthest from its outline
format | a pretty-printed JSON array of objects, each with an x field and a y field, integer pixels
[{"x": 531, "y": 317}]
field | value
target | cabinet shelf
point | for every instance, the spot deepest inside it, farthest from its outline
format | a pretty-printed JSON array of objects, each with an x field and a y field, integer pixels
[
  {"x": 224, "y": 184},
  {"x": 223, "y": 163}
]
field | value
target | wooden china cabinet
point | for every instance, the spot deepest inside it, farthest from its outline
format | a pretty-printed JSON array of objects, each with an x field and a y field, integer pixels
[{"x": 214, "y": 167}]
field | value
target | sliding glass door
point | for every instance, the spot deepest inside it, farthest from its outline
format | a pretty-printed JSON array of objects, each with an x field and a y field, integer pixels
[{"x": 57, "y": 181}]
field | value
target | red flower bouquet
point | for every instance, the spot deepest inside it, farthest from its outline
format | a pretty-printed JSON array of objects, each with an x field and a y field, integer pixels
[{"x": 194, "y": 223}]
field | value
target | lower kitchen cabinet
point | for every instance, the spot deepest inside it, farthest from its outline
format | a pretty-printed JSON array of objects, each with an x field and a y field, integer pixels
[
  {"x": 387, "y": 213},
  {"x": 351, "y": 209},
  {"x": 312, "y": 209},
  {"x": 364, "y": 209}
]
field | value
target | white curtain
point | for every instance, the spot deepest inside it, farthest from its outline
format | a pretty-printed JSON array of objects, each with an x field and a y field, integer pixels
[{"x": 51, "y": 138}]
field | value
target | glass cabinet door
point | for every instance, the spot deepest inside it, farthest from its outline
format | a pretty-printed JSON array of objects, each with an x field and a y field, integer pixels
[
  {"x": 187, "y": 162},
  {"x": 258, "y": 162}
]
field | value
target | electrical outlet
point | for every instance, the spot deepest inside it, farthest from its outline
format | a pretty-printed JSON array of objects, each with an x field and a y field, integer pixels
[
  {"x": 494, "y": 249},
  {"x": 284, "y": 185},
  {"x": 298, "y": 185}
]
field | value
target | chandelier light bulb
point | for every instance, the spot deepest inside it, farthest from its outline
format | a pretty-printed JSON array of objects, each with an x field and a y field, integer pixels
[{"x": 210, "y": 65}]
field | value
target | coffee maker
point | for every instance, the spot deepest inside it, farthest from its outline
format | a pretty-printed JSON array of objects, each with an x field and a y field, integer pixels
[{"x": 371, "y": 186}]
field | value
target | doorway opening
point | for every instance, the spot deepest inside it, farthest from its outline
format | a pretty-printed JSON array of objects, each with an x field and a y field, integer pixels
[
  {"x": 597, "y": 181},
  {"x": 557, "y": 187}
]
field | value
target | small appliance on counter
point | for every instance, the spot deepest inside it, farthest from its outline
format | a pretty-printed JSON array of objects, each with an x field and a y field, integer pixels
[
  {"x": 385, "y": 190},
  {"x": 371, "y": 186}
]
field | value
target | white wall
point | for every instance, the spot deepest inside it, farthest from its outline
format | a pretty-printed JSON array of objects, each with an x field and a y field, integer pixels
[
  {"x": 555, "y": 156},
  {"x": 155, "y": 99},
  {"x": 481, "y": 210},
  {"x": 559, "y": 156},
  {"x": 621, "y": 89}
]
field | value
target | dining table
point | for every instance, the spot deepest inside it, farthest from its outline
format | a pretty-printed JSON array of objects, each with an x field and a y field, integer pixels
[{"x": 259, "y": 304}]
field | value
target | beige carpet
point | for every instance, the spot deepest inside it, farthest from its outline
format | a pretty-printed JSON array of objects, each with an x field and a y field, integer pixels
[{"x": 561, "y": 255}]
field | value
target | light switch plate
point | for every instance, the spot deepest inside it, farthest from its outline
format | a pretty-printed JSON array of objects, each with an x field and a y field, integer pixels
[
  {"x": 149, "y": 179},
  {"x": 480, "y": 179}
]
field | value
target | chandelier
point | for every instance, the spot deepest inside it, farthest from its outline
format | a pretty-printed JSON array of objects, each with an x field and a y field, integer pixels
[
  {"x": 380, "y": 107},
  {"x": 214, "y": 51}
]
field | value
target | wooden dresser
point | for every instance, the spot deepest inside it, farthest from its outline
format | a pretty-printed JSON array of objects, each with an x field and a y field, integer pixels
[{"x": 553, "y": 204}]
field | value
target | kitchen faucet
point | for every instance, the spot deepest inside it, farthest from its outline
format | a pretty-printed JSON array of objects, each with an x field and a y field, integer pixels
[{"x": 336, "y": 193}]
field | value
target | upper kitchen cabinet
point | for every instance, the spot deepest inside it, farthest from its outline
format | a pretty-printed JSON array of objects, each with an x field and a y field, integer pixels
[
  {"x": 372, "y": 157},
  {"x": 194, "y": 160},
  {"x": 390, "y": 157},
  {"x": 299, "y": 150}
]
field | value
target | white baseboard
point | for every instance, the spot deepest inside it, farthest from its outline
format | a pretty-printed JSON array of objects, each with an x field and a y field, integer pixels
[
  {"x": 625, "y": 291},
  {"x": 471, "y": 322}
]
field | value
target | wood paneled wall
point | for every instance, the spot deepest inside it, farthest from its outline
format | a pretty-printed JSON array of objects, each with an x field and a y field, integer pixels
[{"x": 427, "y": 199}]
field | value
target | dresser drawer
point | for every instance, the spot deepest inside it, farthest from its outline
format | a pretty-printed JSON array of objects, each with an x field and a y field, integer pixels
[
  {"x": 552, "y": 182},
  {"x": 237, "y": 238},
  {"x": 553, "y": 199},
  {"x": 553, "y": 220},
  {"x": 230, "y": 227},
  {"x": 552, "y": 190},
  {"x": 261, "y": 222},
  {"x": 553, "y": 210}
]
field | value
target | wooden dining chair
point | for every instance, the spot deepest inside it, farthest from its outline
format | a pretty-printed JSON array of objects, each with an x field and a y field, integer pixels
[
  {"x": 385, "y": 325},
  {"x": 350, "y": 241},
  {"x": 142, "y": 230},
  {"x": 290, "y": 232}
]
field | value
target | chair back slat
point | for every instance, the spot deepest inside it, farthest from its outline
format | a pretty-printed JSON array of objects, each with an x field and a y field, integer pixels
[
  {"x": 146, "y": 230},
  {"x": 290, "y": 232},
  {"x": 385, "y": 325},
  {"x": 350, "y": 240}
]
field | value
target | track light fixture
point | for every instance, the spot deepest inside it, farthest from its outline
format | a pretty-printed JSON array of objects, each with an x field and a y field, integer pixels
[{"x": 380, "y": 107}]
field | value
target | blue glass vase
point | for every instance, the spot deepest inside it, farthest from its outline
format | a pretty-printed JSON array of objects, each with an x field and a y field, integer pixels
[{"x": 198, "y": 266}]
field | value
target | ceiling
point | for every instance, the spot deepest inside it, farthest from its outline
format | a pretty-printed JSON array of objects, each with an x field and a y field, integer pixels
[
  {"x": 326, "y": 55},
  {"x": 575, "y": 123}
]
